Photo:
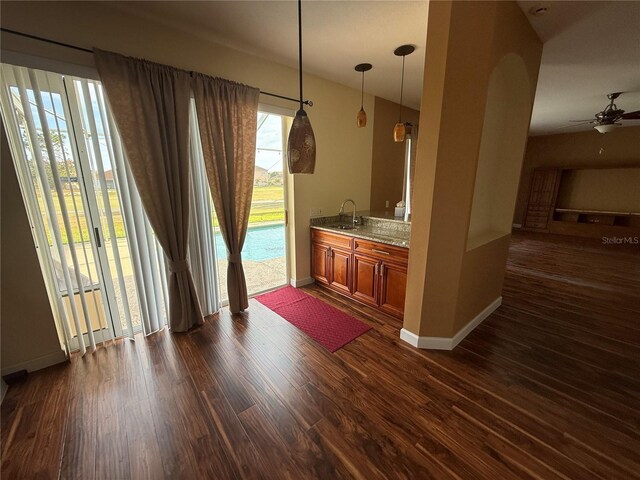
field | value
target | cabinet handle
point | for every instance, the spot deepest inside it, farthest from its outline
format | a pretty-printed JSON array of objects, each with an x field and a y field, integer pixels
[{"x": 380, "y": 251}]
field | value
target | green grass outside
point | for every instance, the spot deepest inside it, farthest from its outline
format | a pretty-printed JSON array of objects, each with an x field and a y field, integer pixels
[
  {"x": 80, "y": 233},
  {"x": 268, "y": 193}
]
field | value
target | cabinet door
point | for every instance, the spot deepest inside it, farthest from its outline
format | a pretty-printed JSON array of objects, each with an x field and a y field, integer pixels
[
  {"x": 365, "y": 279},
  {"x": 393, "y": 287},
  {"x": 340, "y": 270},
  {"x": 320, "y": 262},
  {"x": 544, "y": 186}
]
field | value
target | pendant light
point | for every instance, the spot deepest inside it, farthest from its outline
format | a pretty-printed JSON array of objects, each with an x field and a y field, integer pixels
[
  {"x": 361, "y": 119},
  {"x": 301, "y": 145},
  {"x": 400, "y": 131}
]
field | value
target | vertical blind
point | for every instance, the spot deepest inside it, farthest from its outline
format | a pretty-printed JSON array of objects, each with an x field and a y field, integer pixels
[
  {"x": 105, "y": 272},
  {"x": 202, "y": 248},
  {"x": 33, "y": 129}
]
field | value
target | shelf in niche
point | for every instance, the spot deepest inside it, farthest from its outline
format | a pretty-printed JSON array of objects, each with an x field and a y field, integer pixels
[
  {"x": 597, "y": 217},
  {"x": 597, "y": 212}
]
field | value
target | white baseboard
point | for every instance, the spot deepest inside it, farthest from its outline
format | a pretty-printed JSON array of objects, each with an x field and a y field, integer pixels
[
  {"x": 449, "y": 343},
  {"x": 302, "y": 282},
  {"x": 37, "y": 363},
  {"x": 517, "y": 225}
]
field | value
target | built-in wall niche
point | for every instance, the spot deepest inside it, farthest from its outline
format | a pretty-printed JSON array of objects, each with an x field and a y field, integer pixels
[
  {"x": 606, "y": 197},
  {"x": 504, "y": 135}
]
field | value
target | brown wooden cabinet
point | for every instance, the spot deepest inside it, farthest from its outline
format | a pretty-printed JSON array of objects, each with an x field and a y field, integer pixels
[
  {"x": 542, "y": 198},
  {"x": 340, "y": 269},
  {"x": 370, "y": 272},
  {"x": 365, "y": 279},
  {"x": 320, "y": 262},
  {"x": 549, "y": 208},
  {"x": 393, "y": 286}
]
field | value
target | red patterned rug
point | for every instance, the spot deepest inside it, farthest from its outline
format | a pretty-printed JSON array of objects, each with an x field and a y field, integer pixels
[{"x": 327, "y": 325}]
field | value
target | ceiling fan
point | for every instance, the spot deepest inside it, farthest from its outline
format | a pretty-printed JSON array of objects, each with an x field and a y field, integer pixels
[{"x": 609, "y": 118}]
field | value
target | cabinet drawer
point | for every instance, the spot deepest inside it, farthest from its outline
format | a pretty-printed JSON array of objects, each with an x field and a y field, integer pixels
[
  {"x": 537, "y": 218},
  {"x": 381, "y": 251},
  {"x": 538, "y": 209},
  {"x": 341, "y": 241},
  {"x": 532, "y": 224}
]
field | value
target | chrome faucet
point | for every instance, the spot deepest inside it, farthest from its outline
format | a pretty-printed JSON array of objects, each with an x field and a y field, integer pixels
[{"x": 353, "y": 220}]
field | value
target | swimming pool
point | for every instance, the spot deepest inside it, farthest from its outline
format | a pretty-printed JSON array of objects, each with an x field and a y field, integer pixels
[{"x": 261, "y": 243}]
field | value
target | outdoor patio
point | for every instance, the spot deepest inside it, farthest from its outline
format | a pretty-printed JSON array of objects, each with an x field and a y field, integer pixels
[{"x": 261, "y": 275}]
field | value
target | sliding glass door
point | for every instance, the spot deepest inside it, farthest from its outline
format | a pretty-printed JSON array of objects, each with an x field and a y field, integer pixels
[
  {"x": 104, "y": 269},
  {"x": 264, "y": 254},
  {"x": 78, "y": 195}
]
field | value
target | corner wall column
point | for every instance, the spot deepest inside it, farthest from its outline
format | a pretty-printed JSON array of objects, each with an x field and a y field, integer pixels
[{"x": 451, "y": 288}]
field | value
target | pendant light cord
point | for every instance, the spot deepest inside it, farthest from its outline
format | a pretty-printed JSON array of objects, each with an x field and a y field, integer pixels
[
  {"x": 401, "y": 88},
  {"x": 362, "y": 93},
  {"x": 300, "y": 48}
]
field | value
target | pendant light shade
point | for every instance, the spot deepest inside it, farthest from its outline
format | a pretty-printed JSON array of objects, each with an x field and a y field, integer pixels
[
  {"x": 400, "y": 131},
  {"x": 361, "y": 118},
  {"x": 301, "y": 145}
]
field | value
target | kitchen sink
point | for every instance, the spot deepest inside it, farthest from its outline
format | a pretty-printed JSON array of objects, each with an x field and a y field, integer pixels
[{"x": 345, "y": 227}]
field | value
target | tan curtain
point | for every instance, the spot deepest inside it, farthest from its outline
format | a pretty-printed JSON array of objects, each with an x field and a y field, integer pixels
[
  {"x": 227, "y": 117},
  {"x": 150, "y": 105}
]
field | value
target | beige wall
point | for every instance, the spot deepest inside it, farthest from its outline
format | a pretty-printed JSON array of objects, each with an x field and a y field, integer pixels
[
  {"x": 590, "y": 149},
  {"x": 29, "y": 338},
  {"x": 610, "y": 189},
  {"x": 448, "y": 285},
  {"x": 481, "y": 276},
  {"x": 501, "y": 151},
  {"x": 344, "y": 152},
  {"x": 387, "y": 163}
]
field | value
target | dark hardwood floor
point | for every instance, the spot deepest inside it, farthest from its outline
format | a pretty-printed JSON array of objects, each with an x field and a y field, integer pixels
[{"x": 547, "y": 387}]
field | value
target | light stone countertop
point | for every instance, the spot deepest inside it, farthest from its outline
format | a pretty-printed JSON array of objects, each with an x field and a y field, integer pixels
[{"x": 369, "y": 232}]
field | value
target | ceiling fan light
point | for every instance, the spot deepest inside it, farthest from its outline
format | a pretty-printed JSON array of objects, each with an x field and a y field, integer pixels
[
  {"x": 361, "y": 119},
  {"x": 606, "y": 127},
  {"x": 399, "y": 132}
]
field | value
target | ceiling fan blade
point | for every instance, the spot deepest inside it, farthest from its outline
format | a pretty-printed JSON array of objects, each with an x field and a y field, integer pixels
[
  {"x": 588, "y": 120},
  {"x": 573, "y": 125},
  {"x": 631, "y": 115}
]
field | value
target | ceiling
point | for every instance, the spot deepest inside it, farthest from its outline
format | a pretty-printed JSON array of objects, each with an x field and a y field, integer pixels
[
  {"x": 590, "y": 49},
  {"x": 337, "y": 35}
]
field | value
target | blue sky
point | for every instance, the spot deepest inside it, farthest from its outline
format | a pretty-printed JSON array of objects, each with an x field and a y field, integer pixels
[{"x": 270, "y": 136}]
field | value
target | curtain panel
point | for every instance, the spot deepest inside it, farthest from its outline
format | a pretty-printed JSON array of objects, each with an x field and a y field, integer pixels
[
  {"x": 150, "y": 105},
  {"x": 227, "y": 120}
]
